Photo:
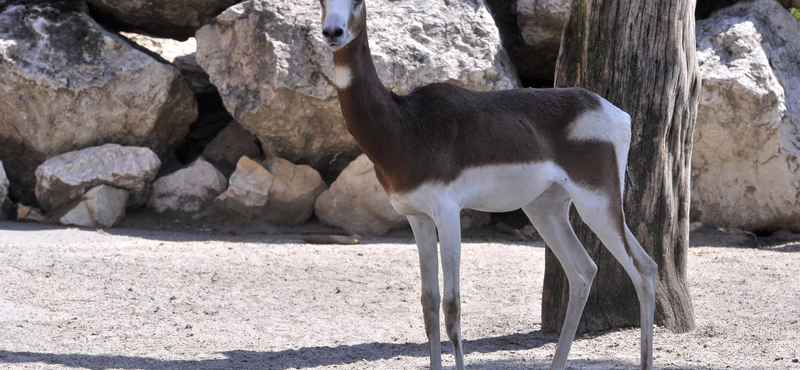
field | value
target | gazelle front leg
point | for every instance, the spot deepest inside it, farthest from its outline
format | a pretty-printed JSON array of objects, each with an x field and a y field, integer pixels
[
  {"x": 449, "y": 225},
  {"x": 425, "y": 234}
]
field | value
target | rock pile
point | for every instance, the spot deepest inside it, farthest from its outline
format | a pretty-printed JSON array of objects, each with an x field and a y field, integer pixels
[
  {"x": 746, "y": 168},
  {"x": 87, "y": 115},
  {"x": 66, "y": 83},
  {"x": 66, "y": 177},
  {"x": 115, "y": 176}
]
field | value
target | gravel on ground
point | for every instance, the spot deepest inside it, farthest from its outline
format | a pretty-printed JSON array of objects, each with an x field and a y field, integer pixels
[{"x": 145, "y": 299}]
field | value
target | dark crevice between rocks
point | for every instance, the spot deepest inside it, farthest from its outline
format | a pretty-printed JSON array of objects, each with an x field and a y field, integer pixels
[
  {"x": 705, "y": 8},
  {"x": 505, "y": 17},
  {"x": 211, "y": 119},
  {"x": 17, "y": 160},
  {"x": 334, "y": 165}
]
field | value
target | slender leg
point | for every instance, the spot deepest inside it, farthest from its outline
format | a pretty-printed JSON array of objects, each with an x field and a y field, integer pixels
[
  {"x": 550, "y": 215},
  {"x": 449, "y": 225},
  {"x": 608, "y": 222},
  {"x": 425, "y": 234}
]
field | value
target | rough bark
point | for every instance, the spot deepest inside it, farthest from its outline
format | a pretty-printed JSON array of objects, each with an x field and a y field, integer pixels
[{"x": 640, "y": 55}]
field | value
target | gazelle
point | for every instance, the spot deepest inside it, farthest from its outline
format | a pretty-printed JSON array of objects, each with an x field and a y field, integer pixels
[{"x": 442, "y": 148}]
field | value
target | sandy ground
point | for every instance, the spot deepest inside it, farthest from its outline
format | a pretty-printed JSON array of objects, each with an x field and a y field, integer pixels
[{"x": 138, "y": 299}]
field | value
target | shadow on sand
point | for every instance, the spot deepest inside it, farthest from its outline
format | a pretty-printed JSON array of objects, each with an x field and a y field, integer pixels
[
  {"x": 286, "y": 359},
  {"x": 265, "y": 234},
  {"x": 311, "y": 357}
]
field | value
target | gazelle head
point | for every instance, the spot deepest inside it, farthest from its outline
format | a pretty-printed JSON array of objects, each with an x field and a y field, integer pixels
[{"x": 342, "y": 21}]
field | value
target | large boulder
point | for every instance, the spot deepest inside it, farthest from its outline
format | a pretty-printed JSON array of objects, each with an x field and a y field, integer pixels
[
  {"x": 745, "y": 168},
  {"x": 101, "y": 206},
  {"x": 188, "y": 191},
  {"x": 66, "y": 83},
  {"x": 178, "y": 19},
  {"x": 274, "y": 72},
  {"x": 357, "y": 203},
  {"x": 280, "y": 192},
  {"x": 64, "y": 178}
]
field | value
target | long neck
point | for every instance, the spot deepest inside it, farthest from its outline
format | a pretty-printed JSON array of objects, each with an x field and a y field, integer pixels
[{"x": 368, "y": 106}]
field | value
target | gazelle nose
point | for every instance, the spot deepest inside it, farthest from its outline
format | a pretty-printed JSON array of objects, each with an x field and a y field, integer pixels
[{"x": 332, "y": 32}]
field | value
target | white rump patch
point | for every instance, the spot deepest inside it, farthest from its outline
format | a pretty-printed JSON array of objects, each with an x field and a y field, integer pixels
[
  {"x": 609, "y": 124},
  {"x": 341, "y": 77}
]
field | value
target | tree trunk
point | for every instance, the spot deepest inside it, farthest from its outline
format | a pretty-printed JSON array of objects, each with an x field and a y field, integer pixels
[{"x": 640, "y": 55}]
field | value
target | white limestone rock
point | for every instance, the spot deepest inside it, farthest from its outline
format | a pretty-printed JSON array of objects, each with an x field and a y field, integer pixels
[
  {"x": 357, "y": 203},
  {"x": 745, "y": 171},
  {"x": 66, "y": 84},
  {"x": 294, "y": 190},
  {"x": 101, "y": 206},
  {"x": 64, "y": 178},
  {"x": 248, "y": 190},
  {"x": 189, "y": 191},
  {"x": 274, "y": 72},
  {"x": 279, "y": 193}
]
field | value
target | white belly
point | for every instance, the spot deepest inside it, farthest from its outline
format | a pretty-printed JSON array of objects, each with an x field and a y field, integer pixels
[{"x": 495, "y": 188}]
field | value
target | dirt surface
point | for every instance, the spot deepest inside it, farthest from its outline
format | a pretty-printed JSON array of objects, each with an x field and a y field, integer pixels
[{"x": 138, "y": 299}]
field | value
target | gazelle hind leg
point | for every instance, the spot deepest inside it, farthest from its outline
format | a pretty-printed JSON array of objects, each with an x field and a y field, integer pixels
[
  {"x": 549, "y": 213},
  {"x": 425, "y": 235},
  {"x": 448, "y": 222},
  {"x": 603, "y": 214}
]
